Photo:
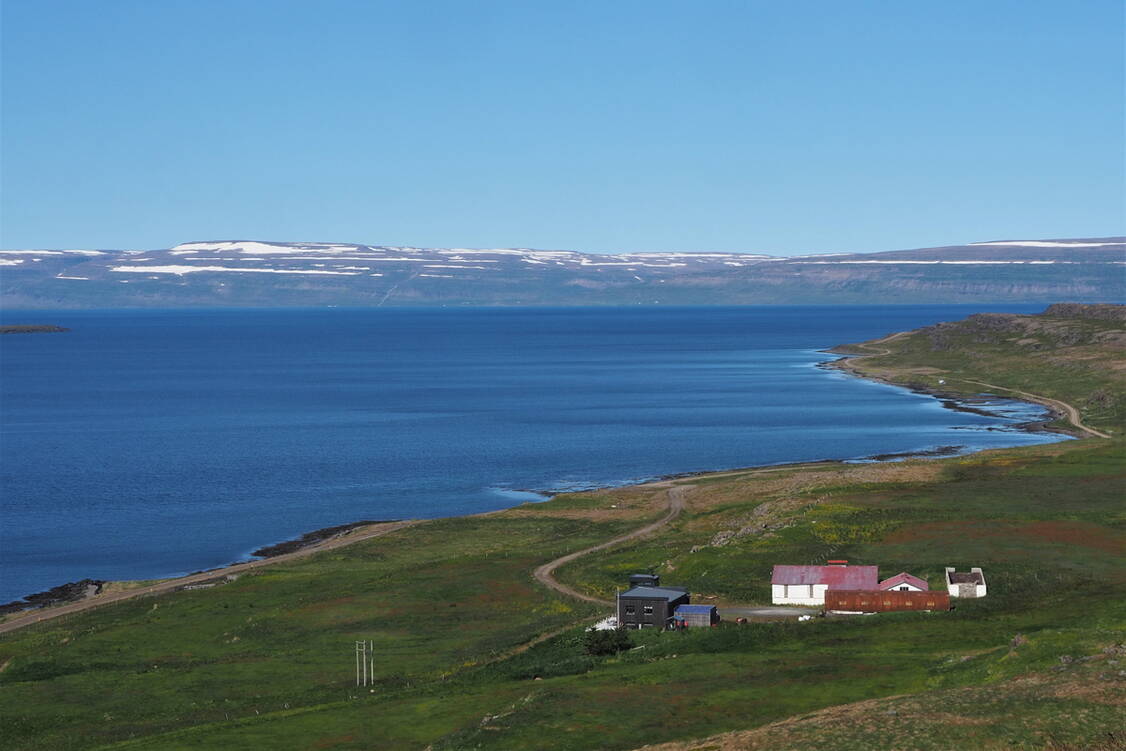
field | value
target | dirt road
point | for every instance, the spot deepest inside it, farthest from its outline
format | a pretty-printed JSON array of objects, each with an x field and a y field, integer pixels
[
  {"x": 545, "y": 573},
  {"x": 1063, "y": 407},
  {"x": 1071, "y": 412},
  {"x": 357, "y": 535}
]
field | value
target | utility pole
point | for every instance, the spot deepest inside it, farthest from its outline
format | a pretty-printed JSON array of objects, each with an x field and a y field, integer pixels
[
  {"x": 365, "y": 663},
  {"x": 359, "y": 662}
]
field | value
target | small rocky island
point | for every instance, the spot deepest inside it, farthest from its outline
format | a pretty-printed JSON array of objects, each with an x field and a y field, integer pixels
[{"x": 31, "y": 329}]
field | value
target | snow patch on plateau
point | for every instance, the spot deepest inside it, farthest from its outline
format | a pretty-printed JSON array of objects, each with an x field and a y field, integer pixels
[
  {"x": 263, "y": 248},
  {"x": 54, "y": 252},
  {"x": 180, "y": 270}
]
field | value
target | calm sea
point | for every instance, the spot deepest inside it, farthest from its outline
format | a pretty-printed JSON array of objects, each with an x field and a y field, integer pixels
[{"x": 145, "y": 444}]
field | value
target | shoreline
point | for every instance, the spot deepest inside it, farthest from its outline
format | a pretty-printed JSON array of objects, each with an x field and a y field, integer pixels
[
  {"x": 80, "y": 594},
  {"x": 950, "y": 399}
]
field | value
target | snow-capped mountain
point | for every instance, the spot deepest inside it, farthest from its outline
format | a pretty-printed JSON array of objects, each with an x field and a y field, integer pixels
[{"x": 258, "y": 273}]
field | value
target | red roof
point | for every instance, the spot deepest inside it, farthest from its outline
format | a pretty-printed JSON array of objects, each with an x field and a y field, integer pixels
[
  {"x": 837, "y": 577},
  {"x": 904, "y": 578}
]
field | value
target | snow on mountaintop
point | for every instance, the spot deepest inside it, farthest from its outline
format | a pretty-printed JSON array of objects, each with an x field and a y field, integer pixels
[
  {"x": 258, "y": 272},
  {"x": 181, "y": 270},
  {"x": 478, "y": 255},
  {"x": 255, "y": 247},
  {"x": 56, "y": 252}
]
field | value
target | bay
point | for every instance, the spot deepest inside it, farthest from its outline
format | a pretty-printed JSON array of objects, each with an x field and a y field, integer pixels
[{"x": 144, "y": 444}]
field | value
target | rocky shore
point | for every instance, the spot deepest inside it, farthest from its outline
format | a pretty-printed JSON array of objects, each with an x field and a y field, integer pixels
[{"x": 60, "y": 595}]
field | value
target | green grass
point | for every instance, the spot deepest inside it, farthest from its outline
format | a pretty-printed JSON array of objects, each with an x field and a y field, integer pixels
[{"x": 434, "y": 599}]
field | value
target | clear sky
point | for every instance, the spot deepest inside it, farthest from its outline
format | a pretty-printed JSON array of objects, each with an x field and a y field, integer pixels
[{"x": 787, "y": 127}]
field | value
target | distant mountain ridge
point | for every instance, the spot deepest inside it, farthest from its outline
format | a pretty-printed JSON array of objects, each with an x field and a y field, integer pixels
[{"x": 265, "y": 274}]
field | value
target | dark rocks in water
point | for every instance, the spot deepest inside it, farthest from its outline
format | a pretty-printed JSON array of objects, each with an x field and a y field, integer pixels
[
  {"x": 33, "y": 329},
  {"x": 312, "y": 538},
  {"x": 940, "y": 451},
  {"x": 64, "y": 593}
]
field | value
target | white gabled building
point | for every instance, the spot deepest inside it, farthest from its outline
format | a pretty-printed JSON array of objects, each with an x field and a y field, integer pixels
[
  {"x": 904, "y": 582},
  {"x": 963, "y": 584},
  {"x": 807, "y": 585}
]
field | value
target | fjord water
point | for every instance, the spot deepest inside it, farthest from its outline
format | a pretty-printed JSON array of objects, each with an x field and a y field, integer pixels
[{"x": 144, "y": 444}]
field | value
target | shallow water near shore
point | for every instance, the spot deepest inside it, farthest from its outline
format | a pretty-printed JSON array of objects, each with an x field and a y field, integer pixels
[{"x": 143, "y": 444}]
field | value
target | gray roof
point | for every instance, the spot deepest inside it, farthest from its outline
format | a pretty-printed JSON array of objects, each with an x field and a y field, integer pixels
[{"x": 655, "y": 593}]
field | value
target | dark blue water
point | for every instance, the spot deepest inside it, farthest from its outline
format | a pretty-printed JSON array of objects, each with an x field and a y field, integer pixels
[{"x": 146, "y": 444}]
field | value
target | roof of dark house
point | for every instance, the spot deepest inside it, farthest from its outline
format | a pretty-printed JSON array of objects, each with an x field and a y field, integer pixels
[{"x": 655, "y": 593}]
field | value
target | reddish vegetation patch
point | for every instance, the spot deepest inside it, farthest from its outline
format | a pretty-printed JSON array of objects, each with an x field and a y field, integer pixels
[
  {"x": 499, "y": 593},
  {"x": 933, "y": 530},
  {"x": 1078, "y": 533},
  {"x": 326, "y": 605},
  {"x": 1082, "y": 534}
]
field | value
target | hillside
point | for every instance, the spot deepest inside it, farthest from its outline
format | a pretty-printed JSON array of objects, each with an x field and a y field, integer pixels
[
  {"x": 1069, "y": 352},
  {"x": 473, "y": 652},
  {"x": 252, "y": 273}
]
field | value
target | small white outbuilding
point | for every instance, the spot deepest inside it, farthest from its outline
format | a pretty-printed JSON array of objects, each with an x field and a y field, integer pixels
[{"x": 963, "y": 584}]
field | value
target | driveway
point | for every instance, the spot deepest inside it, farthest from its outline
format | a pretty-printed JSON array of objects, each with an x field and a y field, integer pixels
[{"x": 730, "y": 613}]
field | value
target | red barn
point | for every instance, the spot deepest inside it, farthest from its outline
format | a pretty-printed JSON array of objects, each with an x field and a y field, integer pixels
[{"x": 877, "y": 601}]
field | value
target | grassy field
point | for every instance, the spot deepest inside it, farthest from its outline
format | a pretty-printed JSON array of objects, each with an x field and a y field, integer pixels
[{"x": 266, "y": 661}]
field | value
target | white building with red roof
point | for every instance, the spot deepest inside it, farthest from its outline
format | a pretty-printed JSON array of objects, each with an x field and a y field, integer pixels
[
  {"x": 904, "y": 582},
  {"x": 806, "y": 585}
]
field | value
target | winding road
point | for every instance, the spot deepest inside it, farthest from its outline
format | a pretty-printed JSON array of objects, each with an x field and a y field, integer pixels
[
  {"x": 545, "y": 574},
  {"x": 1071, "y": 412}
]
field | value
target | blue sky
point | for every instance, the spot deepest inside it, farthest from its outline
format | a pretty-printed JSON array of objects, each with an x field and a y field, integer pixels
[{"x": 786, "y": 127}]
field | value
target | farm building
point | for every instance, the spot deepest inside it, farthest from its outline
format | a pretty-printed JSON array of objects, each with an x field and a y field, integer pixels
[
  {"x": 647, "y": 605},
  {"x": 693, "y": 616},
  {"x": 965, "y": 584},
  {"x": 904, "y": 582},
  {"x": 884, "y": 601},
  {"x": 807, "y": 585}
]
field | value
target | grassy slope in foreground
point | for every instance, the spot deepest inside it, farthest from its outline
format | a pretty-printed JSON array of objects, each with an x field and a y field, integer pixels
[{"x": 265, "y": 662}]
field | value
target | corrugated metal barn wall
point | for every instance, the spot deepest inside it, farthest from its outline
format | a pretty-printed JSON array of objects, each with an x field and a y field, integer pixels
[{"x": 875, "y": 601}]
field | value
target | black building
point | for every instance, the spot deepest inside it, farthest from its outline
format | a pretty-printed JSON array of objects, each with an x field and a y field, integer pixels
[{"x": 647, "y": 604}]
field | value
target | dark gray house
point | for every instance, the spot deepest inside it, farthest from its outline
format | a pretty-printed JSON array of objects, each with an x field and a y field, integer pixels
[{"x": 647, "y": 604}]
